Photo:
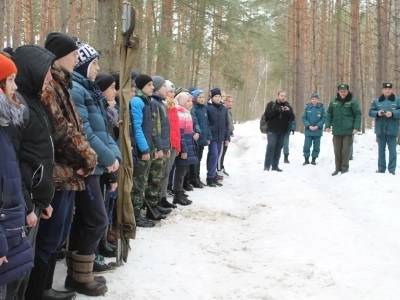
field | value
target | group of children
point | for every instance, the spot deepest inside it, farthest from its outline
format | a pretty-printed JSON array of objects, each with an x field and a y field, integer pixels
[{"x": 59, "y": 131}]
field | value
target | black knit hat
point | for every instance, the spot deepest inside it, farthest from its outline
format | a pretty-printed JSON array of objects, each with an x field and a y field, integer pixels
[
  {"x": 141, "y": 80},
  {"x": 60, "y": 44},
  {"x": 104, "y": 80},
  {"x": 116, "y": 77},
  {"x": 215, "y": 92}
]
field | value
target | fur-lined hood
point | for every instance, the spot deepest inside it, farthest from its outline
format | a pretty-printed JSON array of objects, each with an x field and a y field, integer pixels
[{"x": 9, "y": 113}]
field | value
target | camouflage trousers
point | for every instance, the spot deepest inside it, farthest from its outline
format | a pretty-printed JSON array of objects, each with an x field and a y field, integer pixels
[
  {"x": 154, "y": 183},
  {"x": 147, "y": 180}
]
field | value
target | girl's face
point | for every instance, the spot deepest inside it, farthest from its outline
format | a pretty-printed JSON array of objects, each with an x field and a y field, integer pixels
[
  {"x": 171, "y": 94},
  {"x": 201, "y": 99},
  {"x": 188, "y": 105},
  {"x": 223, "y": 96},
  {"x": 110, "y": 94},
  {"x": 94, "y": 69},
  {"x": 10, "y": 87}
]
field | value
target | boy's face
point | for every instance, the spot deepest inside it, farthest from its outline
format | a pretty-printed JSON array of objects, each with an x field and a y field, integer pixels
[
  {"x": 314, "y": 101},
  {"x": 201, "y": 98},
  {"x": 228, "y": 102},
  {"x": 216, "y": 99},
  {"x": 110, "y": 94},
  {"x": 133, "y": 91},
  {"x": 162, "y": 91},
  {"x": 94, "y": 69},
  {"x": 148, "y": 89}
]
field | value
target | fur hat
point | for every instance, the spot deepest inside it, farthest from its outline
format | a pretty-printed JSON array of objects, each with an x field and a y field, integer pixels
[
  {"x": 60, "y": 44},
  {"x": 141, "y": 80},
  {"x": 86, "y": 54},
  {"x": 314, "y": 95},
  {"x": 7, "y": 67}
]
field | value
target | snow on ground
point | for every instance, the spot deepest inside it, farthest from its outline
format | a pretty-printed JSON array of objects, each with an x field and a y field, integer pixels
[{"x": 299, "y": 234}]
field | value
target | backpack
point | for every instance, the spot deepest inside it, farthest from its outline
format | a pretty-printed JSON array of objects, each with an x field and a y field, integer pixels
[{"x": 264, "y": 121}]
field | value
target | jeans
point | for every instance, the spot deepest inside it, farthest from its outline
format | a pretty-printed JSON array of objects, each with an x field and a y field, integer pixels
[{"x": 274, "y": 148}]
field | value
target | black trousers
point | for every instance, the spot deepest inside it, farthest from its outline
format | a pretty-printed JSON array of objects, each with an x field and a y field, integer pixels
[
  {"x": 179, "y": 176},
  {"x": 90, "y": 218}
]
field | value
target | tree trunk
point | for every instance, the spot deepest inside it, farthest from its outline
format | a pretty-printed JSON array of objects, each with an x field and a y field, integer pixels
[
  {"x": 16, "y": 36},
  {"x": 106, "y": 32}
]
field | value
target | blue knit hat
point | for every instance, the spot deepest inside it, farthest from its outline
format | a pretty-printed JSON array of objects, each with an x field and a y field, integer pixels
[{"x": 196, "y": 93}]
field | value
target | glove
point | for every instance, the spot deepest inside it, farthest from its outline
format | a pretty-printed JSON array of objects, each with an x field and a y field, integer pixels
[{"x": 292, "y": 132}]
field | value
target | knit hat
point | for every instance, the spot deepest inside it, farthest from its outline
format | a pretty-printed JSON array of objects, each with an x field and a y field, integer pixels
[
  {"x": 314, "y": 95},
  {"x": 134, "y": 74},
  {"x": 141, "y": 80},
  {"x": 343, "y": 86},
  {"x": 387, "y": 85},
  {"x": 215, "y": 92},
  {"x": 196, "y": 93},
  {"x": 7, "y": 67},
  {"x": 104, "y": 81},
  {"x": 86, "y": 54},
  {"x": 191, "y": 89},
  {"x": 183, "y": 97},
  {"x": 116, "y": 78},
  {"x": 9, "y": 50},
  {"x": 158, "y": 82},
  {"x": 60, "y": 44},
  {"x": 180, "y": 90},
  {"x": 170, "y": 85}
]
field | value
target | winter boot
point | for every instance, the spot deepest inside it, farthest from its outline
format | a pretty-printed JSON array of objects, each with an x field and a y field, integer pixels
[
  {"x": 100, "y": 266},
  {"x": 69, "y": 283},
  {"x": 180, "y": 199},
  {"x": 306, "y": 161},
  {"x": 82, "y": 276},
  {"x": 276, "y": 168},
  {"x": 210, "y": 182},
  {"x": 112, "y": 235},
  {"x": 197, "y": 184},
  {"x": 106, "y": 250},
  {"x": 142, "y": 221},
  {"x": 163, "y": 210},
  {"x": 164, "y": 202},
  {"x": 286, "y": 160},
  {"x": 187, "y": 186},
  {"x": 216, "y": 181},
  {"x": 313, "y": 161},
  {"x": 267, "y": 167},
  {"x": 152, "y": 213}
]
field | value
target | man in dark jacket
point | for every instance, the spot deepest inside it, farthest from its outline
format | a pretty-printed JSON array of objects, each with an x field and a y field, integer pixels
[
  {"x": 35, "y": 149},
  {"x": 386, "y": 111},
  {"x": 279, "y": 113},
  {"x": 74, "y": 159},
  {"x": 344, "y": 115}
]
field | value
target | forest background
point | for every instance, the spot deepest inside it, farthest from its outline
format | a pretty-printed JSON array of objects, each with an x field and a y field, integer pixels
[{"x": 249, "y": 48}]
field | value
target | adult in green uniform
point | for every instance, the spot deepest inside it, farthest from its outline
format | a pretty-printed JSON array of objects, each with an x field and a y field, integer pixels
[
  {"x": 344, "y": 116},
  {"x": 386, "y": 111}
]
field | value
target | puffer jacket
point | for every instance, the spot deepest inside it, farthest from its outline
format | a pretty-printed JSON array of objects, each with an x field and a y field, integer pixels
[
  {"x": 72, "y": 149},
  {"x": 174, "y": 124},
  {"x": 314, "y": 116},
  {"x": 187, "y": 143},
  {"x": 35, "y": 149},
  {"x": 13, "y": 241},
  {"x": 200, "y": 110},
  {"x": 162, "y": 123},
  {"x": 87, "y": 98},
  {"x": 219, "y": 122},
  {"x": 344, "y": 115},
  {"x": 383, "y": 124}
]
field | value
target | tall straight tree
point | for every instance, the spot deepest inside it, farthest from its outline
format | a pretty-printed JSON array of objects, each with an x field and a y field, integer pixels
[{"x": 106, "y": 17}]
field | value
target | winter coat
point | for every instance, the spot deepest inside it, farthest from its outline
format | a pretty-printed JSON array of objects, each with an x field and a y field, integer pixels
[
  {"x": 187, "y": 143},
  {"x": 278, "y": 120},
  {"x": 162, "y": 123},
  {"x": 13, "y": 242},
  {"x": 34, "y": 143},
  {"x": 231, "y": 126},
  {"x": 196, "y": 125},
  {"x": 219, "y": 122},
  {"x": 175, "y": 136},
  {"x": 142, "y": 119},
  {"x": 72, "y": 149},
  {"x": 314, "y": 116},
  {"x": 344, "y": 115},
  {"x": 200, "y": 110},
  {"x": 89, "y": 102},
  {"x": 383, "y": 124}
]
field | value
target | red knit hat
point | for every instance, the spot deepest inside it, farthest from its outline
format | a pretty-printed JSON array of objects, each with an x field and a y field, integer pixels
[{"x": 7, "y": 67}]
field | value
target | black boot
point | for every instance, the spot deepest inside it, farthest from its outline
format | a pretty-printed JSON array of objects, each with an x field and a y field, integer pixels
[
  {"x": 41, "y": 280},
  {"x": 210, "y": 182},
  {"x": 217, "y": 182},
  {"x": 106, "y": 251},
  {"x": 180, "y": 199},
  {"x": 163, "y": 210},
  {"x": 313, "y": 161},
  {"x": 306, "y": 161},
  {"x": 152, "y": 213},
  {"x": 187, "y": 186},
  {"x": 197, "y": 184},
  {"x": 286, "y": 160},
  {"x": 142, "y": 221},
  {"x": 276, "y": 168},
  {"x": 164, "y": 202}
]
